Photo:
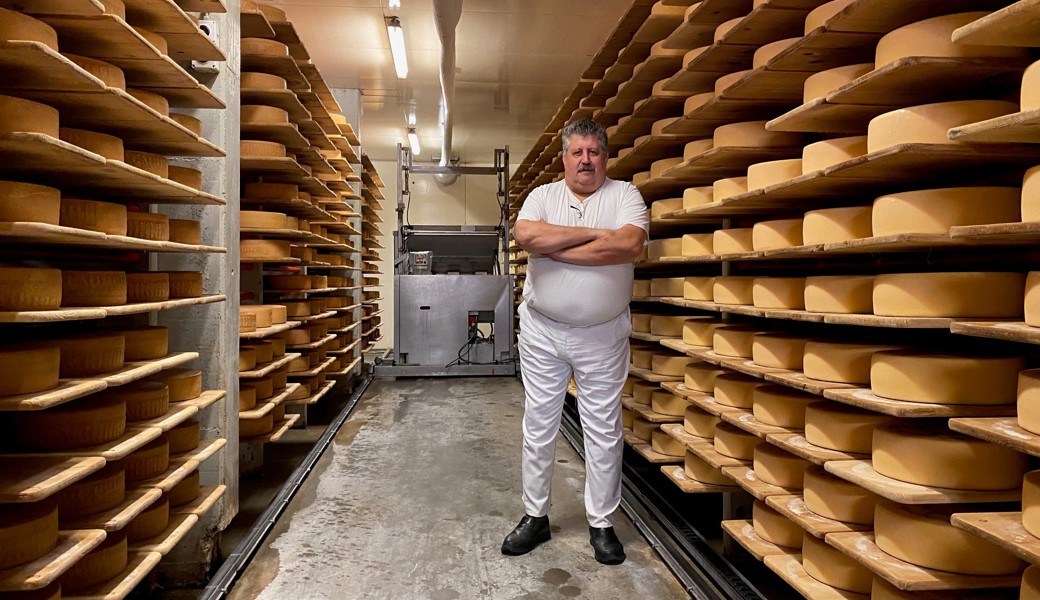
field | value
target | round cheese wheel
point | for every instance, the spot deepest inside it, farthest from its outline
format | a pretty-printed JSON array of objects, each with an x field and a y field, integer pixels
[
  {"x": 297, "y": 309},
  {"x": 86, "y": 422},
  {"x": 665, "y": 444},
  {"x": 107, "y": 146},
  {"x": 144, "y": 400},
  {"x": 780, "y": 406},
  {"x": 695, "y": 468},
  {"x": 840, "y": 294},
  {"x": 20, "y": 27},
  {"x": 752, "y": 134},
  {"x": 97, "y": 492},
  {"x": 271, "y": 191},
  {"x": 643, "y": 429},
  {"x": 843, "y": 428},
  {"x": 28, "y": 368},
  {"x": 1032, "y": 299},
  {"x": 823, "y": 13},
  {"x": 778, "y": 351},
  {"x": 264, "y": 315},
  {"x": 148, "y": 226},
  {"x": 820, "y": 85},
  {"x": 102, "y": 564},
  {"x": 701, "y": 377},
  {"x": 829, "y": 566},
  {"x": 29, "y": 203},
  {"x": 150, "y": 461},
  {"x": 1028, "y": 400},
  {"x": 914, "y": 376},
  {"x": 264, "y": 115},
  {"x": 934, "y": 38},
  {"x": 726, "y": 27},
  {"x": 191, "y": 178},
  {"x": 668, "y": 365},
  {"x": 1031, "y": 503},
  {"x": 698, "y": 244},
  {"x": 260, "y": 149},
  {"x": 770, "y": 51},
  {"x": 736, "y": 390},
  {"x": 185, "y": 491},
  {"x": 924, "y": 536},
  {"x": 699, "y": 423},
  {"x": 937, "y": 210},
  {"x": 185, "y": 231},
  {"x": 289, "y": 282},
  {"x": 151, "y": 522},
  {"x": 733, "y": 241},
  {"x": 640, "y": 323},
  {"x": 834, "y": 498},
  {"x": 772, "y": 235},
  {"x": 185, "y": 284},
  {"x": 279, "y": 378},
  {"x": 834, "y": 225},
  {"x": 698, "y": 196},
  {"x": 783, "y": 293},
  {"x": 827, "y": 153},
  {"x": 658, "y": 167},
  {"x": 930, "y": 123},
  {"x": 1030, "y": 98},
  {"x": 246, "y": 357},
  {"x": 671, "y": 326},
  {"x": 145, "y": 342},
  {"x": 300, "y": 364},
  {"x": 640, "y": 288},
  {"x": 29, "y": 289},
  {"x": 733, "y": 290},
  {"x": 764, "y": 174},
  {"x": 1030, "y": 588},
  {"x": 728, "y": 80},
  {"x": 103, "y": 217},
  {"x": 996, "y": 295},
  {"x": 27, "y": 531},
  {"x": 257, "y": 219},
  {"x": 152, "y": 100},
  {"x": 246, "y": 397},
  {"x": 840, "y": 362},
  {"x": 264, "y": 250},
  {"x": 91, "y": 354},
  {"x": 666, "y": 403},
  {"x": 111, "y": 75},
  {"x": 147, "y": 287},
  {"x": 93, "y": 288},
  {"x": 265, "y": 387},
  {"x": 662, "y": 207},
  {"x": 184, "y": 437},
  {"x": 662, "y": 287},
  {"x": 690, "y": 151},
  {"x": 775, "y": 528},
  {"x": 666, "y": 247},
  {"x": 935, "y": 456},
  {"x": 627, "y": 417},
  {"x": 184, "y": 384},
  {"x": 735, "y": 340},
  {"x": 263, "y": 47},
  {"x": 24, "y": 116},
  {"x": 188, "y": 122},
  {"x": 778, "y": 467}
]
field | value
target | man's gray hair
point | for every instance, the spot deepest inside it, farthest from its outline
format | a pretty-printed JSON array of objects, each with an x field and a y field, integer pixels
[{"x": 584, "y": 128}]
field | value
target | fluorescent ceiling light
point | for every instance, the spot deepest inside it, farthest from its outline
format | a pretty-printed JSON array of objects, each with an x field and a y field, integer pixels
[
  {"x": 411, "y": 119},
  {"x": 413, "y": 141},
  {"x": 394, "y": 3},
  {"x": 393, "y": 29}
]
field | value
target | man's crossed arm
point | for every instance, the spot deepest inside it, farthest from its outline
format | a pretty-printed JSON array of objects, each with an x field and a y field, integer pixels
[{"x": 581, "y": 245}]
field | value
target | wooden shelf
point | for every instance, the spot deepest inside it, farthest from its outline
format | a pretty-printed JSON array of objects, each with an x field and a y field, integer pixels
[
  {"x": 1015, "y": 25},
  {"x": 139, "y": 566},
  {"x": 164, "y": 543},
  {"x": 1002, "y": 529},
  {"x": 705, "y": 402},
  {"x": 746, "y": 478},
  {"x": 862, "y": 473},
  {"x": 705, "y": 450},
  {"x": 79, "y": 314},
  {"x": 648, "y": 375},
  {"x": 350, "y": 368},
  {"x": 314, "y": 398},
  {"x": 1004, "y": 431},
  {"x": 208, "y": 496},
  {"x": 72, "y": 546},
  {"x": 280, "y": 428},
  {"x": 282, "y": 66},
  {"x": 1011, "y": 332},
  {"x": 207, "y": 399},
  {"x": 265, "y": 332},
  {"x": 789, "y": 568},
  {"x": 645, "y": 412},
  {"x": 746, "y": 421},
  {"x": 796, "y": 444},
  {"x": 263, "y": 407},
  {"x": 43, "y": 233},
  {"x": 691, "y": 486},
  {"x": 864, "y": 398},
  {"x": 315, "y": 371},
  {"x": 1020, "y": 127},
  {"x": 744, "y": 533},
  {"x": 646, "y": 451},
  {"x": 324, "y": 315},
  {"x": 255, "y": 25},
  {"x": 314, "y": 345},
  {"x": 268, "y": 368},
  {"x": 26, "y": 479},
  {"x": 793, "y": 507},
  {"x": 135, "y": 502},
  {"x": 179, "y": 412}
]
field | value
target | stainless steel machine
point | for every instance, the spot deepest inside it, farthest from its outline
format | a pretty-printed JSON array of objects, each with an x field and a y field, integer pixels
[{"x": 453, "y": 294}]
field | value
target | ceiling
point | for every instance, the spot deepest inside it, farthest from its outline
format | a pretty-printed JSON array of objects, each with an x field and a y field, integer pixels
[{"x": 516, "y": 62}]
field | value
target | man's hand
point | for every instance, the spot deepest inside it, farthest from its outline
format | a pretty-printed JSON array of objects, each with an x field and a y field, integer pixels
[
  {"x": 539, "y": 237},
  {"x": 617, "y": 247}
]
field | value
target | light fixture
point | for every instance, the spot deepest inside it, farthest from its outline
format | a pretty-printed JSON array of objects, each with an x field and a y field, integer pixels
[
  {"x": 393, "y": 4},
  {"x": 393, "y": 29},
  {"x": 413, "y": 141},
  {"x": 411, "y": 118}
]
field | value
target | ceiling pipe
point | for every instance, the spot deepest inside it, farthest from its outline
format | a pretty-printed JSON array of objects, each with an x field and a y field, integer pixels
[{"x": 446, "y": 15}]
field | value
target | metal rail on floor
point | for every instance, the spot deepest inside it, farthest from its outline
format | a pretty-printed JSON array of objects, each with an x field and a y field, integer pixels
[
  {"x": 705, "y": 574},
  {"x": 220, "y": 585}
]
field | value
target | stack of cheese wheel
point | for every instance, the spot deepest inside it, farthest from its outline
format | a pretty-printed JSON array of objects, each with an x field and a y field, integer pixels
[
  {"x": 915, "y": 376},
  {"x": 669, "y": 365},
  {"x": 27, "y": 532}
]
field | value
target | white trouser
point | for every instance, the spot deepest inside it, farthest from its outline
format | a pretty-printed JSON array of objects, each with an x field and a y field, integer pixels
[{"x": 598, "y": 357}]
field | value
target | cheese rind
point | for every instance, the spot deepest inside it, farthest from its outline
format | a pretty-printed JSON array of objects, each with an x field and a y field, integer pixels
[
  {"x": 820, "y": 85},
  {"x": 274, "y": 250},
  {"x": 111, "y": 75},
  {"x": 779, "y": 467},
  {"x": 185, "y": 231},
  {"x": 778, "y": 351},
  {"x": 773, "y": 235},
  {"x": 834, "y": 498},
  {"x": 966, "y": 294},
  {"x": 100, "y": 565},
  {"x": 735, "y": 340},
  {"x": 780, "y": 406},
  {"x": 734, "y": 290},
  {"x": 148, "y": 226},
  {"x": 30, "y": 289},
  {"x": 97, "y": 492},
  {"x": 103, "y": 217},
  {"x": 781, "y": 293},
  {"x": 770, "y": 51},
  {"x": 827, "y": 153},
  {"x": 840, "y": 294},
  {"x": 185, "y": 284},
  {"x": 665, "y": 444},
  {"x": 27, "y": 532},
  {"x": 147, "y": 287},
  {"x": 830, "y": 567},
  {"x": 937, "y": 210},
  {"x": 150, "y": 461},
  {"x": 24, "y": 116},
  {"x": 700, "y": 377},
  {"x": 934, "y": 38},
  {"x": 735, "y": 443},
  {"x": 261, "y": 149},
  {"x": 698, "y": 470},
  {"x": 728, "y": 187},
  {"x": 1031, "y": 503},
  {"x": 671, "y": 326},
  {"x": 930, "y": 123},
  {"x": 263, "y": 47},
  {"x": 643, "y": 429},
  {"x": 184, "y": 384},
  {"x": 669, "y": 365},
  {"x": 152, "y": 100},
  {"x": 834, "y": 225},
  {"x": 29, "y": 203},
  {"x": 1028, "y": 400},
  {"x": 104, "y": 145},
  {"x": 915, "y": 376},
  {"x": 28, "y": 368},
  {"x": 733, "y": 241},
  {"x": 91, "y": 354},
  {"x": 764, "y": 174},
  {"x": 17, "y": 26},
  {"x": 843, "y": 428},
  {"x": 184, "y": 437},
  {"x": 670, "y": 287},
  {"x": 697, "y": 244},
  {"x": 145, "y": 342},
  {"x": 700, "y": 331},
  {"x": 736, "y": 390},
  {"x": 752, "y": 134},
  {"x": 697, "y": 196},
  {"x": 666, "y": 403},
  {"x": 264, "y": 115},
  {"x": 839, "y": 362},
  {"x": 665, "y": 247},
  {"x": 699, "y": 423},
  {"x": 819, "y": 16},
  {"x": 86, "y": 422},
  {"x": 93, "y": 288},
  {"x": 774, "y": 527}
]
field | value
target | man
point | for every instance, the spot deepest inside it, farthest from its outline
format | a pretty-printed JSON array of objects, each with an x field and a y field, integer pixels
[{"x": 583, "y": 234}]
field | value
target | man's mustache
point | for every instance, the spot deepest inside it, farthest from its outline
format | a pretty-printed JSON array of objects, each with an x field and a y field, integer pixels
[{"x": 584, "y": 168}]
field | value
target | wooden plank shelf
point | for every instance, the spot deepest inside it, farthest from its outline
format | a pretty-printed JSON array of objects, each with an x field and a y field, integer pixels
[
  {"x": 313, "y": 398},
  {"x": 207, "y": 399},
  {"x": 134, "y": 439},
  {"x": 1014, "y": 25},
  {"x": 705, "y": 402},
  {"x": 646, "y": 451},
  {"x": 33, "y": 479},
  {"x": 179, "y": 412},
  {"x": 793, "y": 507},
  {"x": 79, "y": 314},
  {"x": 743, "y": 532},
  {"x": 265, "y": 332},
  {"x": 718, "y": 163},
  {"x": 185, "y": 39},
  {"x": 348, "y": 370},
  {"x": 645, "y": 412},
  {"x": 745, "y": 420},
  {"x": 1003, "y": 330},
  {"x": 280, "y": 397},
  {"x": 315, "y": 371},
  {"x": 285, "y": 167},
  {"x": 1008, "y": 233},
  {"x": 135, "y": 502},
  {"x": 647, "y": 337},
  {"x": 862, "y": 473},
  {"x": 317, "y": 317},
  {"x": 165, "y": 542},
  {"x": 1021, "y": 127},
  {"x": 646, "y": 151},
  {"x": 1004, "y": 431},
  {"x": 1002, "y": 529},
  {"x": 139, "y": 566},
  {"x": 72, "y": 546},
  {"x": 705, "y": 450},
  {"x": 262, "y": 408},
  {"x": 283, "y": 133},
  {"x": 280, "y": 429},
  {"x": 821, "y": 116},
  {"x": 314, "y": 345},
  {"x": 796, "y": 444},
  {"x": 268, "y": 368},
  {"x": 864, "y": 398},
  {"x": 905, "y": 576},
  {"x": 255, "y": 25},
  {"x": 746, "y": 478},
  {"x": 208, "y": 496},
  {"x": 798, "y": 381},
  {"x": 691, "y": 486},
  {"x": 283, "y": 99},
  {"x": 34, "y": 66},
  {"x": 87, "y": 8},
  {"x": 679, "y": 434},
  {"x": 282, "y": 66},
  {"x": 789, "y": 568},
  {"x": 56, "y": 235},
  {"x": 648, "y": 375}
]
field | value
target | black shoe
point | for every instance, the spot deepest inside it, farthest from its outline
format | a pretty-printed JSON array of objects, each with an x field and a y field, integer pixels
[
  {"x": 528, "y": 534},
  {"x": 609, "y": 550}
]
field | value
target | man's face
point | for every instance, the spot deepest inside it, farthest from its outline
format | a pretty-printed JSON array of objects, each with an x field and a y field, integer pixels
[{"x": 584, "y": 165}]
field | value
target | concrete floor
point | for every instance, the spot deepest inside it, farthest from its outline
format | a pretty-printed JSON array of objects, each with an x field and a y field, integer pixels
[{"x": 413, "y": 500}]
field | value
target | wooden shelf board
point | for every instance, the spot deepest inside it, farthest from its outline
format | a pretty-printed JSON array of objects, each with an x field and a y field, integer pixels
[
  {"x": 133, "y": 439},
  {"x": 862, "y": 473},
  {"x": 744, "y": 533},
  {"x": 33, "y": 479},
  {"x": 79, "y": 314},
  {"x": 314, "y": 398},
  {"x": 35, "y": 66},
  {"x": 280, "y": 428},
  {"x": 266, "y": 332},
  {"x": 679, "y": 434},
  {"x": 207, "y": 399},
  {"x": 261, "y": 409},
  {"x": 796, "y": 444},
  {"x": 743, "y": 419},
  {"x": 691, "y": 486},
  {"x": 1014, "y": 25},
  {"x": 789, "y": 568},
  {"x": 72, "y": 546},
  {"x": 746, "y": 478},
  {"x": 705, "y": 450},
  {"x": 1003, "y": 330},
  {"x": 255, "y": 25},
  {"x": 324, "y": 315},
  {"x": 178, "y": 413},
  {"x": 1002, "y": 529},
  {"x": 56, "y": 7},
  {"x": 648, "y": 375},
  {"x": 647, "y": 413},
  {"x": 645, "y": 450},
  {"x": 1004, "y": 431},
  {"x": 268, "y": 368},
  {"x": 139, "y": 566},
  {"x": 315, "y": 371},
  {"x": 701, "y": 400},
  {"x": 118, "y": 518},
  {"x": 1020, "y": 127},
  {"x": 283, "y": 99},
  {"x": 314, "y": 345},
  {"x": 208, "y": 496},
  {"x": 164, "y": 543},
  {"x": 793, "y": 507},
  {"x": 282, "y": 66},
  {"x": 798, "y": 381},
  {"x": 864, "y": 398}
]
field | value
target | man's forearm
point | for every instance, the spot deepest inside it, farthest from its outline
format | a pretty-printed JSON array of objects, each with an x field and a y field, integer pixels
[
  {"x": 538, "y": 237},
  {"x": 613, "y": 249}
]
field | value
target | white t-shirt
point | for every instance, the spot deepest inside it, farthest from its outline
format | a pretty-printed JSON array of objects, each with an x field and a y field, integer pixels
[{"x": 577, "y": 294}]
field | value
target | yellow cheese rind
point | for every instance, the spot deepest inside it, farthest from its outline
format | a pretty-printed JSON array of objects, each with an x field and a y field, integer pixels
[
  {"x": 665, "y": 247},
  {"x": 773, "y": 235},
  {"x": 91, "y": 354},
  {"x": 782, "y": 293},
  {"x": 264, "y": 250},
  {"x": 15, "y": 26},
  {"x": 728, "y": 187},
  {"x": 669, "y": 365},
  {"x": 930, "y": 123},
  {"x": 85, "y": 422},
  {"x": 733, "y": 241},
  {"x": 184, "y": 437},
  {"x": 188, "y": 122},
  {"x": 780, "y": 406},
  {"x": 778, "y": 351},
  {"x": 728, "y": 80},
  {"x": 643, "y": 429},
  {"x": 700, "y": 377},
  {"x": 840, "y": 294},
  {"x": 148, "y": 226},
  {"x": 752, "y": 134},
  {"x": 1031, "y": 503},
  {"x": 666, "y": 403},
  {"x": 263, "y": 47},
  {"x": 699, "y": 423},
  {"x": 147, "y": 287},
  {"x": 102, "y": 564},
  {"x": 734, "y": 290},
  {"x": 671, "y": 326},
  {"x": 28, "y": 368},
  {"x": 152, "y": 100},
  {"x": 103, "y": 217},
  {"x": 698, "y": 244},
  {"x": 698, "y": 196},
  {"x": 185, "y": 284},
  {"x": 150, "y": 461},
  {"x": 261, "y": 149},
  {"x": 29, "y": 203},
  {"x": 823, "y": 13},
  {"x": 779, "y": 467},
  {"x": 1028, "y": 400},
  {"x": 111, "y": 75},
  {"x": 936, "y": 211},
  {"x": 695, "y": 468},
  {"x": 665, "y": 444},
  {"x": 184, "y": 384},
  {"x": 934, "y": 38},
  {"x": 93, "y": 288},
  {"x": 820, "y": 85},
  {"x": 145, "y": 342},
  {"x": 774, "y": 527},
  {"x": 945, "y": 378},
  {"x": 149, "y": 523},
  {"x": 830, "y": 567},
  {"x": 770, "y": 51},
  {"x": 29, "y": 289},
  {"x": 735, "y": 443},
  {"x": 667, "y": 287},
  {"x": 263, "y": 115},
  {"x": 663, "y": 207},
  {"x": 27, "y": 532},
  {"x": 843, "y": 428},
  {"x": 764, "y": 174},
  {"x": 827, "y": 153},
  {"x": 97, "y": 492},
  {"x": 107, "y": 146},
  {"x": 834, "y": 498},
  {"x": 185, "y": 491},
  {"x": 735, "y": 340},
  {"x": 834, "y": 225},
  {"x": 966, "y": 294},
  {"x": 840, "y": 362},
  {"x": 640, "y": 288},
  {"x": 25, "y": 116},
  {"x": 185, "y": 231},
  {"x": 699, "y": 288},
  {"x": 736, "y": 390}
]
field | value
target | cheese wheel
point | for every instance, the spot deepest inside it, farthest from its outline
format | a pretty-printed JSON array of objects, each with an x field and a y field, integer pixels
[
  {"x": 145, "y": 342},
  {"x": 82, "y": 423},
  {"x": 104, "y": 145},
  {"x": 260, "y": 149},
  {"x": 264, "y": 315},
  {"x": 93, "y": 288},
  {"x": 29, "y": 203},
  {"x": 734, "y": 290},
  {"x": 640, "y": 288},
  {"x": 663, "y": 207},
  {"x": 152, "y": 100},
  {"x": 670, "y": 287},
  {"x": 841, "y": 294},
  {"x": 735, "y": 340},
  {"x": 698, "y": 244},
  {"x": 665, "y": 444},
  {"x": 915, "y": 376},
  {"x": 823, "y": 13},
  {"x": 263, "y": 115},
  {"x": 91, "y": 354},
  {"x": 185, "y": 491},
  {"x": 666, "y": 403},
  {"x": 764, "y": 174},
  {"x": 665, "y": 247},
  {"x": 27, "y": 531},
  {"x": 97, "y": 492},
  {"x": 1032, "y": 299},
  {"x": 752, "y": 134},
  {"x": 770, "y": 51},
  {"x": 1031, "y": 503},
  {"x": 935, "y": 456},
  {"x": 780, "y": 406},
  {"x": 184, "y": 384},
  {"x": 188, "y": 122},
  {"x": 28, "y": 368},
  {"x": 694, "y": 149},
  {"x": 185, "y": 231},
  {"x": 996, "y": 295},
  {"x": 258, "y": 219},
  {"x": 735, "y": 443},
  {"x": 699, "y": 423},
  {"x": 736, "y": 390},
  {"x": 828, "y": 153},
  {"x": 640, "y": 323},
  {"x": 156, "y": 40},
  {"x": 265, "y": 387},
  {"x": 111, "y": 75},
  {"x": 833, "y": 225},
  {"x": 701, "y": 377},
  {"x": 263, "y": 47},
  {"x": 830, "y": 567},
  {"x": 937, "y": 210},
  {"x": 103, "y": 217},
  {"x": 150, "y": 523},
  {"x": 185, "y": 284},
  {"x": 274, "y": 250},
  {"x": 775, "y": 528},
  {"x": 934, "y": 38},
  {"x": 279, "y": 378},
  {"x": 1028, "y": 399},
  {"x": 778, "y": 351},
  {"x": 671, "y": 326},
  {"x": 772, "y": 235},
  {"x": 271, "y": 191},
  {"x": 840, "y": 362},
  {"x": 820, "y": 85},
  {"x": 929, "y": 123},
  {"x": 17, "y": 26},
  {"x": 834, "y": 498},
  {"x": 148, "y": 226},
  {"x": 699, "y": 288},
  {"x": 924, "y": 536},
  {"x": 246, "y": 356},
  {"x": 102, "y": 564},
  {"x": 733, "y": 241},
  {"x": 729, "y": 187},
  {"x": 191, "y": 178},
  {"x": 150, "y": 461},
  {"x": 297, "y": 309},
  {"x": 29, "y": 289},
  {"x": 24, "y": 116},
  {"x": 627, "y": 417},
  {"x": 842, "y": 428},
  {"x": 184, "y": 437},
  {"x": 778, "y": 467},
  {"x": 695, "y": 468},
  {"x": 698, "y": 196},
  {"x": 246, "y": 397},
  {"x": 643, "y": 429},
  {"x": 778, "y": 293},
  {"x": 728, "y": 80},
  {"x": 658, "y": 167},
  {"x": 147, "y": 287},
  {"x": 642, "y": 358},
  {"x": 251, "y": 428}
]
